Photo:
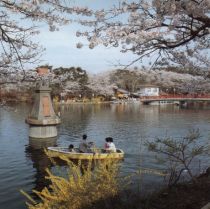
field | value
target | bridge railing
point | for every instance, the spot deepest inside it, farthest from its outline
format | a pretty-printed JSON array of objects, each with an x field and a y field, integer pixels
[{"x": 178, "y": 96}]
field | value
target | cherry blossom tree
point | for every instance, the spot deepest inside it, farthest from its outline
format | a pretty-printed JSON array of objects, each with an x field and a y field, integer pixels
[
  {"x": 175, "y": 31},
  {"x": 101, "y": 84},
  {"x": 127, "y": 79},
  {"x": 20, "y": 21},
  {"x": 166, "y": 29}
]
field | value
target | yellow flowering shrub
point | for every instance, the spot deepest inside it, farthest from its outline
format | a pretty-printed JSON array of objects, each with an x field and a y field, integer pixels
[{"x": 83, "y": 187}]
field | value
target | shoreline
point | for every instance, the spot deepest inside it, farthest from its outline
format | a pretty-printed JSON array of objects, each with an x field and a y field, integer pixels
[{"x": 185, "y": 195}]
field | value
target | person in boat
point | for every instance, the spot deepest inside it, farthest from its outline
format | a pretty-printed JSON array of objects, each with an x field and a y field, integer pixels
[
  {"x": 106, "y": 145},
  {"x": 71, "y": 148},
  {"x": 109, "y": 145},
  {"x": 85, "y": 146},
  {"x": 112, "y": 146}
]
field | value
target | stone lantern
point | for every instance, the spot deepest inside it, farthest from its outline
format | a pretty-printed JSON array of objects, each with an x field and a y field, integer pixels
[{"x": 42, "y": 120}]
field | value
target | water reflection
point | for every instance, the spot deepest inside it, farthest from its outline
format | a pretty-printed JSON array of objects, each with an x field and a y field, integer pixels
[
  {"x": 35, "y": 151},
  {"x": 75, "y": 119},
  {"x": 130, "y": 125}
]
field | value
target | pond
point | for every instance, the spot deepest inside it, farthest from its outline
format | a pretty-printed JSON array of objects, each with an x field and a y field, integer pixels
[{"x": 23, "y": 163}]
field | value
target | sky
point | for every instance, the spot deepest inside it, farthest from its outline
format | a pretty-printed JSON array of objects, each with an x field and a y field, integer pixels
[
  {"x": 61, "y": 51},
  {"x": 61, "y": 46}
]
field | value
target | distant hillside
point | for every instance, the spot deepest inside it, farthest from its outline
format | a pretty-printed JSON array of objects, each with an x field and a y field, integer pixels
[
  {"x": 131, "y": 79},
  {"x": 76, "y": 81}
]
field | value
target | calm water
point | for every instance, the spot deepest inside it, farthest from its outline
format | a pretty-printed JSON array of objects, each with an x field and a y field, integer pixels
[{"x": 23, "y": 164}]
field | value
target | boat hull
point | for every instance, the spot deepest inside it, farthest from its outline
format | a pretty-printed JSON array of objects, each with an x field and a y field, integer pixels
[{"x": 98, "y": 155}]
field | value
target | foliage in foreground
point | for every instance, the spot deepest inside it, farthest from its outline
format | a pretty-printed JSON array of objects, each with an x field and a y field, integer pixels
[
  {"x": 180, "y": 155},
  {"x": 82, "y": 188}
]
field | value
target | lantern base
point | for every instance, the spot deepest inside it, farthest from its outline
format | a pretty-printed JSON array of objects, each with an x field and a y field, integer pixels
[{"x": 42, "y": 131}]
